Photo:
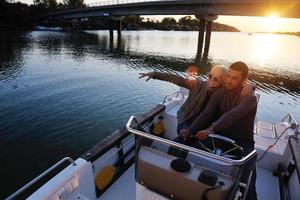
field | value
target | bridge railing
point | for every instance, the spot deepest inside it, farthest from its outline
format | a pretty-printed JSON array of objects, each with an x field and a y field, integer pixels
[{"x": 116, "y": 2}]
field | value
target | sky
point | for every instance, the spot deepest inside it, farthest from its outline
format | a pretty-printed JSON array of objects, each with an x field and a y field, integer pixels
[{"x": 271, "y": 23}]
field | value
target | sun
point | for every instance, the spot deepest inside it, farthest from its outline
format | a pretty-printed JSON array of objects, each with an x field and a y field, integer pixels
[{"x": 272, "y": 23}]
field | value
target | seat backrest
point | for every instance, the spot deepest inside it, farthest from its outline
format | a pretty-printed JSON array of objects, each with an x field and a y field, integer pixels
[{"x": 154, "y": 172}]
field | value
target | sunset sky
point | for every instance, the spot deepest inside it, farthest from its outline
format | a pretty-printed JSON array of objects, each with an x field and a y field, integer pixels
[{"x": 273, "y": 23}]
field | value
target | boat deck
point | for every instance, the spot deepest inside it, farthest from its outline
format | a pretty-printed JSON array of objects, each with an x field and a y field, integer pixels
[
  {"x": 267, "y": 186},
  {"x": 123, "y": 188}
]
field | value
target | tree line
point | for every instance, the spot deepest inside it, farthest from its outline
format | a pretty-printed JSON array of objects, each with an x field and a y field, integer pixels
[{"x": 186, "y": 23}]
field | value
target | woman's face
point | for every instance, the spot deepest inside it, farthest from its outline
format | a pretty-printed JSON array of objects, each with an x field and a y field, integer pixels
[{"x": 215, "y": 78}]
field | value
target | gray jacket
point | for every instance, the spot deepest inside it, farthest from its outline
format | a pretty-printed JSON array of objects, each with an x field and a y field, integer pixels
[
  {"x": 197, "y": 92},
  {"x": 237, "y": 114}
]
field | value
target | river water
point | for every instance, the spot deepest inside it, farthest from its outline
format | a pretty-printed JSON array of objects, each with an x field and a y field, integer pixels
[{"x": 61, "y": 93}]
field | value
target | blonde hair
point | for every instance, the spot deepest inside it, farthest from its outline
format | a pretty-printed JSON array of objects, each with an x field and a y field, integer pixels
[{"x": 220, "y": 68}]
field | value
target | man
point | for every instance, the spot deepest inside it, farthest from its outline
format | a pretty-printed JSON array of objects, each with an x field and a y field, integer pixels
[{"x": 237, "y": 117}]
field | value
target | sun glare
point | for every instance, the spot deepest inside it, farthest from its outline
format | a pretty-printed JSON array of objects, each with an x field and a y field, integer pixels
[
  {"x": 265, "y": 48},
  {"x": 272, "y": 23}
]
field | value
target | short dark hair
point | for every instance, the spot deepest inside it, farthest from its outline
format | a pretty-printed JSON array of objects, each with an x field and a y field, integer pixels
[{"x": 241, "y": 67}]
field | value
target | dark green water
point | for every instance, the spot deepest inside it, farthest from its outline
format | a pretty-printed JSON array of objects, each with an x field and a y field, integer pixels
[{"x": 61, "y": 93}]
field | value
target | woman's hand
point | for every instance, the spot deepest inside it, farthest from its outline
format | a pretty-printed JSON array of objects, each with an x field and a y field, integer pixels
[
  {"x": 247, "y": 89},
  {"x": 149, "y": 75},
  {"x": 184, "y": 134}
]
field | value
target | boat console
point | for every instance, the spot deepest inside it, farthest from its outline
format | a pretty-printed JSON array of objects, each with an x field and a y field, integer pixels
[{"x": 160, "y": 174}]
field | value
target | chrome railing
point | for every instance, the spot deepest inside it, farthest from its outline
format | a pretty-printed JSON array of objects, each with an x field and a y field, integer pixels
[
  {"x": 289, "y": 118},
  {"x": 188, "y": 148},
  {"x": 116, "y": 2},
  {"x": 176, "y": 94},
  {"x": 14, "y": 195}
]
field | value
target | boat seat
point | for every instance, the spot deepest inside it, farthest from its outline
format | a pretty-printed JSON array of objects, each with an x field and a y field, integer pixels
[
  {"x": 159, "y": 146},
  {"x": 155, "y": 173},
  {"x": 219, "y": 166},
  {"x": 265, "y": 129}
]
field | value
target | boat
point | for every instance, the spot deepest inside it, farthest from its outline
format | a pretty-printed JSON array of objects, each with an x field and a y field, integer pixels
[{"x": 132, "y": 163}]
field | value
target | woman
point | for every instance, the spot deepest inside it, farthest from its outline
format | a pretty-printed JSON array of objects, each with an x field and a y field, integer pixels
[{"x": 199, "y": 92}]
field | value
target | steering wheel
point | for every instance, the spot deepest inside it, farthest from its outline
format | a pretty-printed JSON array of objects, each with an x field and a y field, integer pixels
[{"x": 228, "y": 153}]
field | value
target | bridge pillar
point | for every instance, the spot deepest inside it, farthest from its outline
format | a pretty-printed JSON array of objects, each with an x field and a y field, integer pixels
[
  {"x": 205, "y": 25},
  {"x": 111, "y": 30},
  {"x": 202, "y": 23},
  {"x": 119, "y": 26},
  {"x": 207, "y": 39}
]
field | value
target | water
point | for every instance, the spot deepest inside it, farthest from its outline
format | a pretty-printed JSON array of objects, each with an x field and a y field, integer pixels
[{"x": 61, "y": 93}]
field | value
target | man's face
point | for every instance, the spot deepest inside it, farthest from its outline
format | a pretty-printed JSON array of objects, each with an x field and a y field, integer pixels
[{"x": 234, "y": 79}]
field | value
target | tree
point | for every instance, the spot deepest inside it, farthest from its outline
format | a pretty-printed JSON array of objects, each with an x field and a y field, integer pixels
[
  {"x": 133, "y": 19},
  {"x": 48, "y": 4},
  {"x": 168, "y": 21},
  {"x": 74, "y": 3},
  {"x": 187, "y": 23},
  {"x": 52, "y": 4},
  {"x": 185, "y": 20}
]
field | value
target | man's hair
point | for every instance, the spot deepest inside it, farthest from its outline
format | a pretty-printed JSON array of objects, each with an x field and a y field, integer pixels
[{"x": 241, "y": 67}]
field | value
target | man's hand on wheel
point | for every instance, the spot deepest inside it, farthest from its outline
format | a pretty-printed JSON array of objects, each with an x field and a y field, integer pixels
[
  {"x": 202, "y": 135},
  {"x": 149, "y": 75}
]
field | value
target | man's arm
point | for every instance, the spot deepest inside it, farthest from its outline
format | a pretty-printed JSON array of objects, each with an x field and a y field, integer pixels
[
  {"x": 246, "y": 104},
  {"x": 172, "y": 78},
  {"x": 207, "y": 113}
]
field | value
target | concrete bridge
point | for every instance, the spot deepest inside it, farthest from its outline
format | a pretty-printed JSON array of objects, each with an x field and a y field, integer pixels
[
  {"x": 205, "y": 10},
  {"x": 285, "y": 8}
]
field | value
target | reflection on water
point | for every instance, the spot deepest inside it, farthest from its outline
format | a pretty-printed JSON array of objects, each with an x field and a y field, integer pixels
[
  {"x": 268, "y": 48},
  {"x": 63, "y": 92}
]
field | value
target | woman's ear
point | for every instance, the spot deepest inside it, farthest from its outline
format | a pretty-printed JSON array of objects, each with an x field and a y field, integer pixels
[{"x": 245, "y": 80}]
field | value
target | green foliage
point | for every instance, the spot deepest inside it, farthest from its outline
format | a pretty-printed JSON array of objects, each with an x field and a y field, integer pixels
[
  {"x": 133, "y": 19},
  {"x": 74, "y": 3},
  {"x": 169, "y": 21},
  {"x": 186, "y": 23},
  {"x": 48, "y": 4},
  {"x": 185, "y": 20}
]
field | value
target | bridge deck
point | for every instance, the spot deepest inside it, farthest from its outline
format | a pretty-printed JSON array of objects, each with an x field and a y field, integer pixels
[{"x": 286, "y": 8}]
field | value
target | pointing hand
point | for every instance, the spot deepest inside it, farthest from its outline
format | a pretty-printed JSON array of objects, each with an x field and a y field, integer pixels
[{"x": 149, "y": 75}]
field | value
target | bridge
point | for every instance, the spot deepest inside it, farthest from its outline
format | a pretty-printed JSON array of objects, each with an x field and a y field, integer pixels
[
  {"x": 285, "y": 8},
  {"x": 205, "y": 10}
]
